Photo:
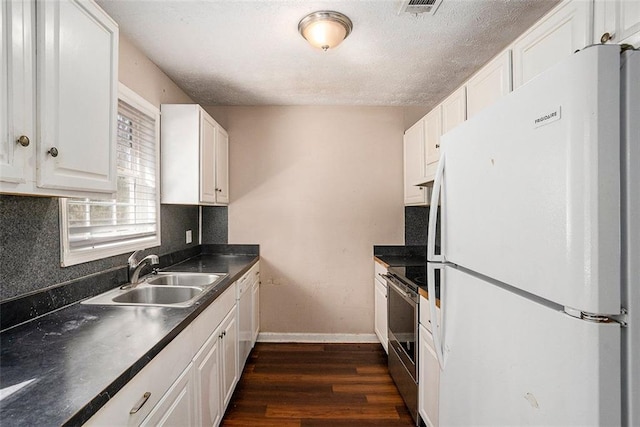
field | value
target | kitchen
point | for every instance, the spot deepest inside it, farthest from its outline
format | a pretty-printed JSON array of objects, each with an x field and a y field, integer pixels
[{"x": 313, "y": 208}]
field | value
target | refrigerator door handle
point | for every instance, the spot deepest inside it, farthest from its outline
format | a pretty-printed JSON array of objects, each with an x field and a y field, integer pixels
[
  {"x": 433, "y": 214},
  {"x": 433, "y": 314}
]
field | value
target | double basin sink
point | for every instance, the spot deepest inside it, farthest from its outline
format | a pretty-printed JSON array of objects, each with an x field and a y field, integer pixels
[{"x": 163, "y": 289}]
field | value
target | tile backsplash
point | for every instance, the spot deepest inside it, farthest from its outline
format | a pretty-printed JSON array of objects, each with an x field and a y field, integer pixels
[
  {"x": 30, "y": 244},
  {"x": 416, "y": 219},
  {"x": 215, "y": 224}
]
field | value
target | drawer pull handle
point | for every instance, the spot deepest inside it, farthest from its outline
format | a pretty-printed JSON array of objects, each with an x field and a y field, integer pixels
[{"x": 140, "y": 403}]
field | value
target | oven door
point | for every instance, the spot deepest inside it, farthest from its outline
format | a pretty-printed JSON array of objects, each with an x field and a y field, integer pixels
[{"x": 403, "y": 324}]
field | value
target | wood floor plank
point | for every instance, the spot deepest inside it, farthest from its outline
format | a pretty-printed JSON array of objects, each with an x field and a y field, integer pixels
[
  {"x": 337, "y": 411},
  {"x": 316, "y": 385},
  {"x": 366, "y": 388}
]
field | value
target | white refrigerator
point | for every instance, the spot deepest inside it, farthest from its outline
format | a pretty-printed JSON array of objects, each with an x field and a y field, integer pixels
[{"x": 539, "y": 258}]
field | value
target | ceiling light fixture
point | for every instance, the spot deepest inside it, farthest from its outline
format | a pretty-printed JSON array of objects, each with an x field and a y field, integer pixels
[{"x": 325, "y": 29}]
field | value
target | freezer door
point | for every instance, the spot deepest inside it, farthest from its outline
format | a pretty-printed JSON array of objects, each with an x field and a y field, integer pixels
[
  {"x": 531, "y": 193},
  {"x": 510, "y": 361}
]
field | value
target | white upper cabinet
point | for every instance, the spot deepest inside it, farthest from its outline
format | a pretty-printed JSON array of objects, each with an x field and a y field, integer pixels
[
  {"x": 616, "y": 21},
  {"x": 59, "y": 85},
  {"x": 491, "y": 83},
  {"x": 208, "y": 134},
  {"x": 556, "y": 36},
  {"x": 414, "y": 164},
  {"x": 16, "y": 90},
  {"x": 222, "y": 166},
  {"x": 432, "y": 133},
  {"x": 454, "y": 111},
  {"x": 77, "y": 96},
  {"x": 195, "y": 157}
]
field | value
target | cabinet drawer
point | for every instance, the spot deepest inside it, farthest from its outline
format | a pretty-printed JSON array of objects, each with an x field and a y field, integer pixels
[
  {"x": 154, "y": 379},
  {"x": 379, "y": 270},
  {"x": 208, "y": 320}
]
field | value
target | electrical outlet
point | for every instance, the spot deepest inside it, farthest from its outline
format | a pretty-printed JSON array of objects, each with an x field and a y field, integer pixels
[{"x": 189, "y": 237}]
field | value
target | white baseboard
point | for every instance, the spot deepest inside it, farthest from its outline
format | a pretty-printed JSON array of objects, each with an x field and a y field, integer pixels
[{"x": 317, "y": 338}]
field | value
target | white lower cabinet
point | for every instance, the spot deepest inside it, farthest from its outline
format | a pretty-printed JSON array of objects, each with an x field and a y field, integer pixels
[
  {"x": 255, "y": 304},
  {"x": 229, "y": 356},
  {"x": 380, "y": 305},
  {"x": 190, "y": 382},
  {"x": 215, "y": 372},
  {"x": 176, "y": 408},
  {"x": 207, "y": 382},
  {"x": 428, "y": 379}
]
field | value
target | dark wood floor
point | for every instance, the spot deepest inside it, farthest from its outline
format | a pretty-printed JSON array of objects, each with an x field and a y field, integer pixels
[{"x": 313, "y": 385}]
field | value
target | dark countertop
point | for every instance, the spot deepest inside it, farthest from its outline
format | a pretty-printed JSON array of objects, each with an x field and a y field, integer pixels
[
  {"x": 65, "y": 365},
  {"x": 400, "y": 256},
  {"x": 407, "y": 258}
]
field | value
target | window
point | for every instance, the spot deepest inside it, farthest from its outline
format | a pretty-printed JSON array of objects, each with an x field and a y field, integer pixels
[{"x": 94, "y": 229}]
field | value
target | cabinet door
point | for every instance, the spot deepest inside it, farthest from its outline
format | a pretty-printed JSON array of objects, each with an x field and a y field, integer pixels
[
  {"x": 433, "y": 130},
  {"x": 77, "y": 45},
  {"x": 255, "y": 306},
  {"x": 491, "y": 83},
  {"x": 555, "y": 37},
  {"x": 208, "y": 133},
  {"x": 616, "y": 21},
  {"x": 222, "y": 166},
  {"x": 428, "y": 379},
  {"x": 414, "y": 164},
  {"x": 229, "y": 365},
  {"x": 16, "y": 89},
  {"x": 380, "y": 309},
  {"x": 454, "y": 110},
  {"x": 176, "y": 408},
  {"x": 207, "y": 381}
]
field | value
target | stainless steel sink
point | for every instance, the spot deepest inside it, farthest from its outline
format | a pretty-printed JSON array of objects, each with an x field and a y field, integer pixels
[
  {"x": 182, "y": 279},
  {"x": 165, "y": 289},
  {"x": 159, "y": 295}
]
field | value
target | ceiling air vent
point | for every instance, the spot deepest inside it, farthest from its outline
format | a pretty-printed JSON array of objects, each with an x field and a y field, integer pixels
[{"x": 419, "y": 6}]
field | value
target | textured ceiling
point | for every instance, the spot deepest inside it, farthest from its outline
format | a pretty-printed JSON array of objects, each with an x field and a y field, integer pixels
[{"x": 249, "y": 52}]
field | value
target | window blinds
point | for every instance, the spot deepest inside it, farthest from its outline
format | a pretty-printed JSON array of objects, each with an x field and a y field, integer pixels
[{"x": 132, "y": 215}]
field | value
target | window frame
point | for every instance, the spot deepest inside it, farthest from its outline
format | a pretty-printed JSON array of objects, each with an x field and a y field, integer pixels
[{"x": 72, "y": 257}]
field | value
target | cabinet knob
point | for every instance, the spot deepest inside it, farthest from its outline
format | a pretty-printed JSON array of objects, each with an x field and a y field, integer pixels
[
  {"x": 437, "y": 145},
  {"x": 53, "y": 152},
  {"x": 23, "y": 140},
  {"x": 606, "y": 37}
]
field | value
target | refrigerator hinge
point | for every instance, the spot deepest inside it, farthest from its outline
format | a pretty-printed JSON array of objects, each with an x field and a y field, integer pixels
[
  {"x": 598, "y": 318},
  {"x": 621, "y": 318}
]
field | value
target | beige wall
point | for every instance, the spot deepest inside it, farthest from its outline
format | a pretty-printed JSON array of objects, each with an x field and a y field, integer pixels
[
  {"x": 144, "y": 77},
  {"x": 316, "y": 187}
]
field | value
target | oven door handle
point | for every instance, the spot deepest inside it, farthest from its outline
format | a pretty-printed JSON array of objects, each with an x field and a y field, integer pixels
[{"x": 406, "y": 295}]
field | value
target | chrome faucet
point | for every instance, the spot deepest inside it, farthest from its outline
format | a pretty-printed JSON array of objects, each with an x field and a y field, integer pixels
[{"x": 135, "y": 266}]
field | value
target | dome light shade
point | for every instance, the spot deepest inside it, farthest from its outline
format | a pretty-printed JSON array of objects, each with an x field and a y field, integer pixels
[{"x": 325, "y": 29}]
